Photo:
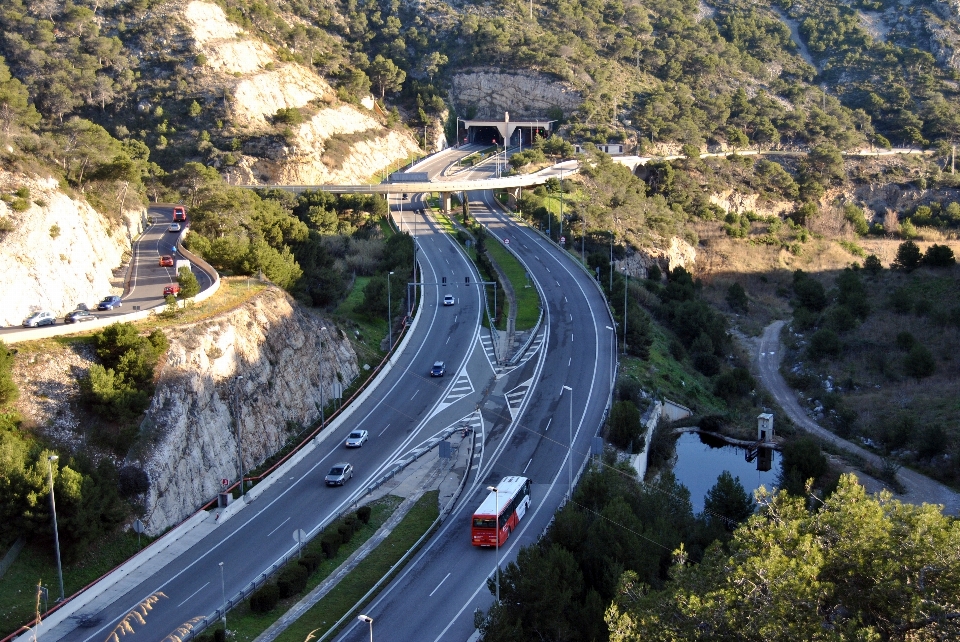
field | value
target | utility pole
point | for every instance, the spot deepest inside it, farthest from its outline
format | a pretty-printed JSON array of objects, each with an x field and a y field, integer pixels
[
  {"x": 953, "y": 158},
  {"x": 626, "y": 285}
]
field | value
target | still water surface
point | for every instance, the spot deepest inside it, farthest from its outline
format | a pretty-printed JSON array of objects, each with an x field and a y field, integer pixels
[{"x": 701, "y": 459}]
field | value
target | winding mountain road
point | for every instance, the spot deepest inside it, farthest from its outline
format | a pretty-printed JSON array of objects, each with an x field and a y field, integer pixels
[{"x": 919, "y": 488}]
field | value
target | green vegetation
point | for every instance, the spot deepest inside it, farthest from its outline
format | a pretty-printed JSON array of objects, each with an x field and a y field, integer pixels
[
  {"x": 528, "y": 301},
  {"x": 844, "y": 570}
]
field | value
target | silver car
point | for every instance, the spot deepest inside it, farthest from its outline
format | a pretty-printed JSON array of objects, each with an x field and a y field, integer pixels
[
  {"x": 38, "y": 319},
  {"x": 357, "y": 438},
  {"x": 339, "y": 474}
]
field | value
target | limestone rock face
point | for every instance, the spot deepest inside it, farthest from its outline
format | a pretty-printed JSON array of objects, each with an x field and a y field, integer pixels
[
  {"x": 678, "y": 254},
  {"x": 337, "y": 142},
  {"x": 58, "y": 251},
  {"x": 523, "y": 94},
  {"x": 260, "y": 371}
]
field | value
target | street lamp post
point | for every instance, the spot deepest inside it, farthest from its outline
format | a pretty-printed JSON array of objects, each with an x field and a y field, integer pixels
[
  {"x": 236, "y": 406},
  {"x": 389, "y": 316},
  {"x": 223, "y": 595},
  {"x": 496, "y": 519},
  {"x": 626, "y": 285},
  {"x": 611, "y": 263},
  {"x": 561, "y": 202},
  {"x": 322, "y": 404},
  {"x": 570, "y": 454},
  {"x": 368, "y": 620},
  {"x": 56, "y": 534},
  {"x": 613, "y": 354}
]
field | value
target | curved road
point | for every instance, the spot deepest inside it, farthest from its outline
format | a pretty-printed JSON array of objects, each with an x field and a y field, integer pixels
[{"x": 919, "y": 488}]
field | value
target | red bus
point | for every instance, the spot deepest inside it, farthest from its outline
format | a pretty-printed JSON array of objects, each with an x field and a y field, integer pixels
[{"x": 513, "y": 502}]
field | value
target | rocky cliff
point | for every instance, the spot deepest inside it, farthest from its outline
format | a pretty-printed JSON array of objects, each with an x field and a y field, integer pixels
[
  {"x": 57, "y": 251},
  {"x": 260, "y": 371},
  {"x": 336, "y": 143},
  {"x": 522, "y": 93}
]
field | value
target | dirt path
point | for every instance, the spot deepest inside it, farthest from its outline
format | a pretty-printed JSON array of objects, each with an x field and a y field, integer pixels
[{"x": 919, "y": 488}]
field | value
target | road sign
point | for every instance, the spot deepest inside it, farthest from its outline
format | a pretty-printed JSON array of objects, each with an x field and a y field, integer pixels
[
  {"x": 224, "y": 482},
  {"x": 563, "y": 239},
  {"x": 138, "y": 526},
  {"x": 506, "y": 241}
]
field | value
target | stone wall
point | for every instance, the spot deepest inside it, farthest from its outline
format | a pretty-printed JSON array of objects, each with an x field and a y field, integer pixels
[{"x": 260, "y": 365}]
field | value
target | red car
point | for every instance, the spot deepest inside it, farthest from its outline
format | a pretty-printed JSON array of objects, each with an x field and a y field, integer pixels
[
  {"x": 171, "y": 290},
  {"x": 166, "y": 261},
  {"x": 179, "y": 214}
]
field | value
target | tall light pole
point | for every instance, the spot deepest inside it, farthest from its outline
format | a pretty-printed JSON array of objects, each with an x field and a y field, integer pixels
[
  {"x": 389, "y": 317},
  {"x": 561, "y": 202},
  {"x": 223, "y": 595},
  {"x": 613, "y": 354},
  {"x": 56, "y": 534},
  {"x": 611, "y": 263},
  {"x": 570, "y": 454},
  {"x": 236, "y": 406},
  {"x": 496, "y": 519},
  {"x": 368, "y": 620},
  {"x": 626, "y": 285}
]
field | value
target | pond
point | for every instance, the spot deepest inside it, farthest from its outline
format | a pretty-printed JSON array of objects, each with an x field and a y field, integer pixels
[{"x": 701, "y": 459}]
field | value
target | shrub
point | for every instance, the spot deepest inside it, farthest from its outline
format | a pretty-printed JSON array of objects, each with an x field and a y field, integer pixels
[
  {"x": 265, "y": 599},
  {"x": 625, "y": 426},
  {"x": 707, "y": 364},
  {"x": 939, "y": 256},
  {"x": 133, "y": 481},
  {"x": 346, "y": 533},
  {"x": 737, "y": 298},
  {"x": 292, "y": 580},
  {"x": 905, "y": 340},
  {"x": 873, "y": 265},
  {"x": 219, "y": 635},
  {"x": 330, "y": 544},
  {"x": 919, "y": 362},
  {"x": 908, "y": 257},
  {"x": 733, "y": 384},
  {"x": 824, "y": 343},
  {"x": 310, "y": 561},
  {"x": 901, "y": 300},
  {"x": 363, "y": 514}
]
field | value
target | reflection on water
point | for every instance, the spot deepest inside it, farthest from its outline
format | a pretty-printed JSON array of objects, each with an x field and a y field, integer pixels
[{"x": 701, "y": 459}]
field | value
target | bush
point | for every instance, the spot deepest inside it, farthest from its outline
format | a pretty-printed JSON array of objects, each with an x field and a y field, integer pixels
[
  {"x": 292, "y": 580},
  {"x": 733, "y": 384},
  {"x": 363, "y": 514},
  {"x": 133, "y": 481},
  {"x": 707, "y": 364},
  {"x": 310, "y": 561},
  {"x": 346, "y": 532},
  {"x": 219, "y": 635},
  {"x": 939, "y": 256},
  {"x": 873, "y": 265},
  {"x": 625, "y": 426},
  {"x": 905, "y": 340},
  {"x": 919, "y": 362},
  {"x": 824, "y": 343},
  {"x": 901, "y": 300},
  {"x": 330, "y": 544},
  {"x": 265, "y": 599},
  {"x": 908, "y": 257},
  {"x": 737, "y": 298}
]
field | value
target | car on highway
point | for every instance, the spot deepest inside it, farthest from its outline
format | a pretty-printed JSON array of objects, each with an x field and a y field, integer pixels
[
  {"x": 166, "y": 261},
  {"x": 357, "y": 438},
  {"x": 174, "y": 227},
  {"x": 79, "y": 316},
  {"x": 448, "y": 299},
  {"x": 172, "y": 290},
  {"x": 438, "y": 369},
  {"x": 110, "y": 302},
  {"x": 339, "y": 474},
  {"x": 38, "y": 319},
  {"x": 179, "y": 214}
]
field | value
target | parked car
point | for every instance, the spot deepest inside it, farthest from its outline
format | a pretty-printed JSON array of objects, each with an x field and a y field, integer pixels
[
  {"x": 179, "y": 214},
  {"x": 166, "y": 261},
  {"x": 438, "y": 369},
  {"x": 38, "y": 319},
  {"x": 174, "y": 227},
  {"x": 79, "y": 316},
  {"x": 172, "y": 290},
  {"x": 357, "y": 438},
  {"x": 339, "y": 474},
  {"x": 110, "y": 302},
  {"x": 448, "y": 299}
]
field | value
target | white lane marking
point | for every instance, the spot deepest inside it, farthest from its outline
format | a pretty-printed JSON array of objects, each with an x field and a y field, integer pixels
[
  {"x": 571, "y": 317},
  {"x": 384, "y": 429},
  {"x": 414, "y": 394},
  {"x": 571, "y": 337},
  {"x": 565, "y": 299},
  {"x": 569, "y": 361},
  {"x": 438, "y": 585},
  {"x": 527, "y": 466},
  {"x": 448, "y": 340},
  {"x": 192, "y": 594},
  {"x": 548, "y": 424},
  {"x": 281, "y": 524}
]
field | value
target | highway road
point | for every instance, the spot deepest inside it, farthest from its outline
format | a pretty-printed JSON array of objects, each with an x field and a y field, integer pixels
[
  {"x": 145, "y": 276},
  {"x": 434, "y": 598},
  {"x": 407, "y": 409}
]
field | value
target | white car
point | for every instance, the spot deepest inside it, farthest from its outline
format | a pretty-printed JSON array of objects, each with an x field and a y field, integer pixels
[
  {"x": 174, "y": 227},
  {"x": 357, "y": 438},
  {"x": 448, "y": 299},
  {"x": 38, "y": 319}
]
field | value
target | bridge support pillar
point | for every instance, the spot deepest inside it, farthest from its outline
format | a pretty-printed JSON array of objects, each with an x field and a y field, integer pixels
[{"x": 445, "y": 202}]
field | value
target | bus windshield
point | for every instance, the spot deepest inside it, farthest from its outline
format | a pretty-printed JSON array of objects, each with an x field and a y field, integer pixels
[{"x": 484, "y": 522}]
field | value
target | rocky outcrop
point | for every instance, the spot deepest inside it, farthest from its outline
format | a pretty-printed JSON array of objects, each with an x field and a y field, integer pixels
[
  {"x": 678, "y": 254},
  {"x": 522, "y": 93},
  {"x": 337, "y": 142},
  {"x": 57, "y": 251},
  {"x": 259, "y": 371}
]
